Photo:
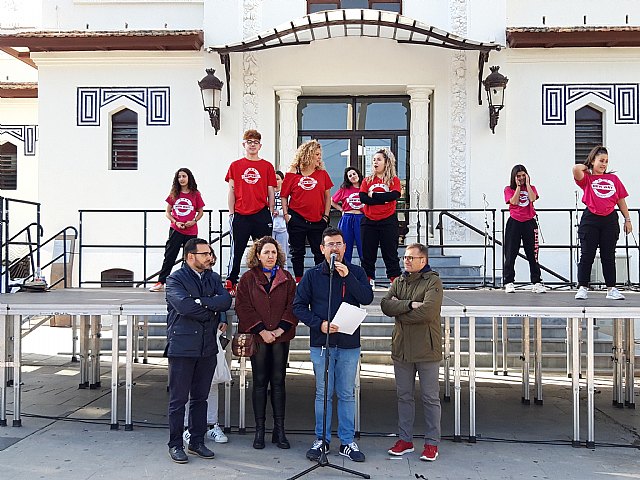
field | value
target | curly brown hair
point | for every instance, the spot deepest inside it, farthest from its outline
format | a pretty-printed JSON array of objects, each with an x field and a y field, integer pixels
[
  {"x": 252, "y": 257},
  {"x": 305, "y": 156}
]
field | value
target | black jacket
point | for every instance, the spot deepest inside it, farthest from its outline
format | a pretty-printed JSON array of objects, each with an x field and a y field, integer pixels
[{"x": 192, "y": 326}]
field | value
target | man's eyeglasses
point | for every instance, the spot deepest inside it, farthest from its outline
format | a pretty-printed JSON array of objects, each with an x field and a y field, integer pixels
[
  {"x": 409, "y": 258},
  {"x": 210, "y": 254},
  {"x": 252, "y": 142},
  {"x": 334, "y": 244}
]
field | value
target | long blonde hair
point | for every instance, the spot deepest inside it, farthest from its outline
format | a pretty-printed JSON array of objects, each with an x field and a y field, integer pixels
[
  {"x": 305, "y": 156},
  {"x": 389, "y": 166}
]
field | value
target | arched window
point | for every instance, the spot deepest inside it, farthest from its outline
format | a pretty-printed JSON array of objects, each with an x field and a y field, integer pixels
[
  {"x": 320, "y": 5},
  {"x": 8, "y": 166},
  {"x": 124, "y": 140},
  {"x": 588, "y": 131}
]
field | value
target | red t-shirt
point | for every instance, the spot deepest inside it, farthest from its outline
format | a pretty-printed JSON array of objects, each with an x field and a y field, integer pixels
[
  {"x": 306, "y": 194},
  {"x": 251, "y": 179},
  {"x": 380, "y": 212},
  {"x": 601, "y": 192},
  {"x": 184, "y": 209},
  {"x": 524, "y": 211},
  {"x": 350, "y": 198}
]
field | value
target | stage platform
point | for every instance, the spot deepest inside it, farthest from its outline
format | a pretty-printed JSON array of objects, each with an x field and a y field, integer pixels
[
  {"x": 460, "y": 307},
  {"x": 66, "y": 433}
]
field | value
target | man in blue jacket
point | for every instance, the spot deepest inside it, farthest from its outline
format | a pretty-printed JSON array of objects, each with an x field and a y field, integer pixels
[
  {"x": 195, "y": 296},
  {"x": 311, "y": 306}
]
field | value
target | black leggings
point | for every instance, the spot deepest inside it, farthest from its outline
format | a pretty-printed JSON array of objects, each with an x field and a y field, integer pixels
[
  {"x": 269, "y": 367},
  {"x": 384, "y": 233},
  {"x": 527, "y": 232},
  {"x": 598, "y": 231}
]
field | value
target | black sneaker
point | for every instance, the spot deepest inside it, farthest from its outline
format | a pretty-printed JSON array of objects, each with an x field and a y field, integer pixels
[
  {"x": 177, "y": 455},
  {"x": 352, "y": 451},
  {"x": 315, "y": 451},
  {"x": 201, "y": 450}
]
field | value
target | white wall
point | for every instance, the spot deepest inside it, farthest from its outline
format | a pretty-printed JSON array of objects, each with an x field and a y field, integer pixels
[
  {"x": 525, "y": 13},
  {"x": 21, "y": 111},
  {"x": 114, "y": 14}
]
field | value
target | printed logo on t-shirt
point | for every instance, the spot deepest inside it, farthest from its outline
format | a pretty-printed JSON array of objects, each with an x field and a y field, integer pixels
[
  {"x": 379, "y": 187},
  {"x": 603, "y": 187},
  {"x": 251, "y": 176},
  {"x": 307, "y": 183},
  {"x": 183, "y": 207},
  {"x": 524, "y": 199},
  {"x": 353, "y": 201}
]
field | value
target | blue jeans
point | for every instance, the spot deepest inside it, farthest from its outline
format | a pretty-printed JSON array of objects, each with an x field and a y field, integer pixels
[{"x": 343, "y": 364}]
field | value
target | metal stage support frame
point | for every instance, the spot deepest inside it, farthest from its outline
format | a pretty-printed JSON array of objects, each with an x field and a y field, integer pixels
[{"x": 91, "y": 307}]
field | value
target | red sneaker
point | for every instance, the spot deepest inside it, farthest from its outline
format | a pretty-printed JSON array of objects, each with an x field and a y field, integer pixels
[
  {"x": 400, "y": 448},
  {"x": 230, "y": 287},
  {"x": 430, "y": 453}
]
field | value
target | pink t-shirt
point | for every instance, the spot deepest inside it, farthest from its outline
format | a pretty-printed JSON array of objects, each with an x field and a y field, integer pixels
[
  {"x": 524, "y": 211},
  {"x": 184, "y": 209},
  {"x": 601, "y": 192},
  {"x": 350, "y": 198}
]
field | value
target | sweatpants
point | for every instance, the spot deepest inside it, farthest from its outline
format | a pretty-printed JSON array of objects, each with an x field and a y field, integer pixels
[
  {"x": 255, "y": 226},
  {"x": 171, "y": 250},
  {"x": 349, "y": 225},
  {"x": 301, "y": 230},
  {"x": 527, "y": 233},
  {"x": 598, "y": 231},
  {"x": 384, "y": 233},
  {"x": 405, "y": 373}
]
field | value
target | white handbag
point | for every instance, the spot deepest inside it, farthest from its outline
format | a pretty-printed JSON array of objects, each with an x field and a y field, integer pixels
[{"x": 222, "y": 373}]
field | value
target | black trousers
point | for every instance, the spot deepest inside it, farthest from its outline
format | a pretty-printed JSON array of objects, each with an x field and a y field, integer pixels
[
  {"x": 171, "y": 250},
  {"x": 301, "y": 230},
  {"x": 384, "y": 233},
  {"x": 598, "y": 231},
  {"x": 269, "y": 368},
  {"x": 527, "y": 233},
  {"x": 256, "y": 226},
  {"x": 189, "y": 378}
]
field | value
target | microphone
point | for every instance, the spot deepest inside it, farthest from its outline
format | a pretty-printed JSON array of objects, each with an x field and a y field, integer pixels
[{"x": 332, "y": 264}]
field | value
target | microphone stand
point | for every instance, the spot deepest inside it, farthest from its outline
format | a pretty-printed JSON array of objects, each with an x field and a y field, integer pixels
[{"x": 323, "y": 461}]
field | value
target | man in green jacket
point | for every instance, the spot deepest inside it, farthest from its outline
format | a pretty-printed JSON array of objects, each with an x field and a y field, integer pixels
[{"x": 415, "y": 299}]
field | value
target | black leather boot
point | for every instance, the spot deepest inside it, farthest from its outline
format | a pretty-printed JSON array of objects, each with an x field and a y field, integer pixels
[
  {"x": 258, "y": 441},
  {"x": 278, "y": 436}
]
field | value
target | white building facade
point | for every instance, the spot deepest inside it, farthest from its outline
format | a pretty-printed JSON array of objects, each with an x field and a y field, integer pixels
[{"x": 357, "y": 91}]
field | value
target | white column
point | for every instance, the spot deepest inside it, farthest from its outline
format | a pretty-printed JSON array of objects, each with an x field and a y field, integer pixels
[
  {"x": 419, "y": 155},
  {"x": 288, "y": 122}
]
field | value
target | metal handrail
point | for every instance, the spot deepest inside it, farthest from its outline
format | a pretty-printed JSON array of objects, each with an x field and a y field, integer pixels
[
  {"x": 145, "y": 246},
  {"x": 5, "y": 204}
]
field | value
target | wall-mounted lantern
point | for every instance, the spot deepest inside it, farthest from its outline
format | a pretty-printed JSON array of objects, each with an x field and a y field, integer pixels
[
  {"x": 211, "y": 89},
  {"x": 495, "y": 84}
]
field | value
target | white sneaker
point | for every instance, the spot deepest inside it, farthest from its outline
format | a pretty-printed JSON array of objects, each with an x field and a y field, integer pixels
[
  {"x": 186, "y": 436},
  {"x": 216, "y": 434},
  {"x": 539, "y": 288},
  {"x": 614, "y": 294},
  {"x": 509, "y": 288},
  {"x": 582, "y": 293},
  {"x": 156, "y": 287}
]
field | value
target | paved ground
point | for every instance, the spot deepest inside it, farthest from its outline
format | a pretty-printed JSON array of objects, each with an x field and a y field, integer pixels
[{"x": 65, "y": 433}]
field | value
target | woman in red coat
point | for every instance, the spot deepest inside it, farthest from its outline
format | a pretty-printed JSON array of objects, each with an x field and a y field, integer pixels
[{"x": 264, "y": 302}]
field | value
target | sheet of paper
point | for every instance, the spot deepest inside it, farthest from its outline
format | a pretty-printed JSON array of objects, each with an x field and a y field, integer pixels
[{"x": 349, "y": 318}]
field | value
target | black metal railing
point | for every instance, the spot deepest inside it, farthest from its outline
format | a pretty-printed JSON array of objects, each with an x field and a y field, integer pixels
[
  {"x": 145, "y": 246},
  {"x": 483, "y": 234},
  {"x": 7, "y": 239}
]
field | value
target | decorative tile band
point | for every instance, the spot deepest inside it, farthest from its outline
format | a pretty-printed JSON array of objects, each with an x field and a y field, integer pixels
[
  {"x": 155, "y": 100},
  {"x": 27, "y": 134},
  {"x": 556, "y": 97}
]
